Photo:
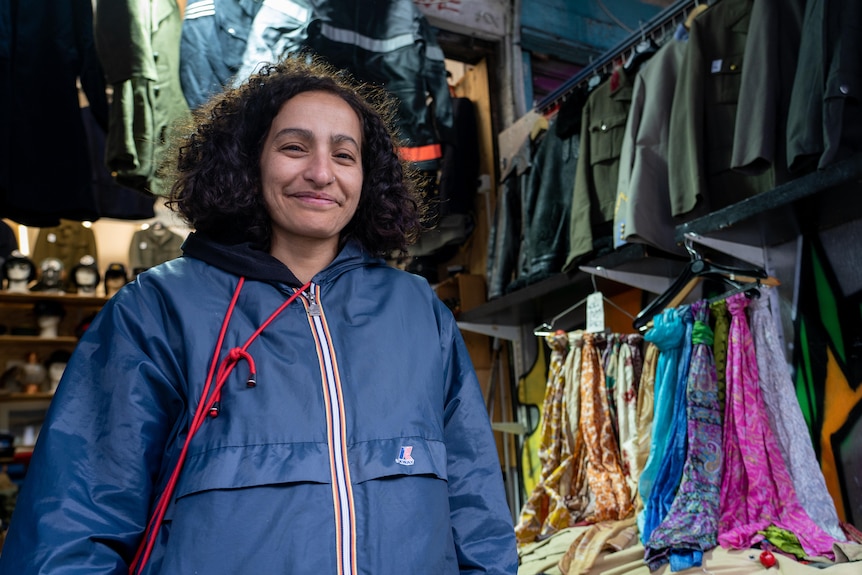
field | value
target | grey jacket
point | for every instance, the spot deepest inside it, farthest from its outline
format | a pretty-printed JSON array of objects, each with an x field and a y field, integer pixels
[
  {"x": 642, "y": 212},
  {"x": 213, "y": 42}
]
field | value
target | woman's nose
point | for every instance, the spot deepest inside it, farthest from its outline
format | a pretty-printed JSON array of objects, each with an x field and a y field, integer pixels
[{"x": 319, "y": 171}]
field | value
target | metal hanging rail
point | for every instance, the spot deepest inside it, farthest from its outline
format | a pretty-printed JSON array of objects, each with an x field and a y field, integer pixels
[{"x": 656, "y": 28}]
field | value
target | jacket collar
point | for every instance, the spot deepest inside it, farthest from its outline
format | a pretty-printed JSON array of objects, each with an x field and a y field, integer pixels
[{"x": 253, "y": 262}]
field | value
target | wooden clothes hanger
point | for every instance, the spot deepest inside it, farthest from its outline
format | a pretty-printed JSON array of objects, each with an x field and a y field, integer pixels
[
  {"x": 698, "y": 8},
  {"x": 738, "y": 278}
]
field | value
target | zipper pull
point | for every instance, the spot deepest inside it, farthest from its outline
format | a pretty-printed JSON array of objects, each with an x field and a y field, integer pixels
[{"x": 313, "y": 308}]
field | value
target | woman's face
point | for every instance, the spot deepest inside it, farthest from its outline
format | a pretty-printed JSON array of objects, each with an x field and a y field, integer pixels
[{"x": 311, "y": 172}]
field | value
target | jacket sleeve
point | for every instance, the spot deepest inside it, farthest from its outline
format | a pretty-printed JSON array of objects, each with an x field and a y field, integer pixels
[
  {"x": 481, "y": 520},
  {"x": 436, "y": 83},
  {"x": 98, "y": 459}
]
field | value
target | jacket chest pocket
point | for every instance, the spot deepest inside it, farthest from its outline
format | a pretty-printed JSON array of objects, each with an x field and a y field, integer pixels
[
  {"x": 606, "y": 137},
  {"x": 398, "y": 456},
  {"x": 725, "y": 78}
]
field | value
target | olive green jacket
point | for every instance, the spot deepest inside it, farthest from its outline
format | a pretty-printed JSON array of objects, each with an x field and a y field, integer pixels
[
  {"x": 140, "y": 52},
  {"x": 603, "y": 123}
]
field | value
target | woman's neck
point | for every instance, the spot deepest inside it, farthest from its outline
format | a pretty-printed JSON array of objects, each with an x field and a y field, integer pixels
[{"x": 305, "y": 259}]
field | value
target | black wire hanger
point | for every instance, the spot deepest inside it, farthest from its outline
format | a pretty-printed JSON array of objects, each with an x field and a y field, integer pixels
[{"x": 738, "y": 278}]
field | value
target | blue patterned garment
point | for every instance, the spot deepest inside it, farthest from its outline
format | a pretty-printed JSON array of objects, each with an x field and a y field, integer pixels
[
  {"x": 691, "y": 525},
  {"x": 667, "y": 334},
  {"x": 670, "y": 470}
]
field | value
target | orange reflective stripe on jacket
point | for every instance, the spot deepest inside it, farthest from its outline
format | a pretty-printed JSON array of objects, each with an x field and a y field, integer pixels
[{"x": 421, "y": 153}]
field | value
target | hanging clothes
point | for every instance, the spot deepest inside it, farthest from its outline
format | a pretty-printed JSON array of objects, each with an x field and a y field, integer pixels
[
  {"x": 786, "y": 420},
  {"x": 115, "y": 201},
  {"x": 756, "y": 488},
  {"x": 825, "y": 120},
  {"x": 505, "y": 234},
  {"x": 645, "y": 407},
  {"x": 391, "y": 44},
  {"x": 603, "y": 124},
  {"x": 691, "y": 525},
  {"x": 623, "y": 373},
  {"x": 450, "y": 199},
  {"x": 138, "y": 44},
  {"x": 546, "y": 206},
  {"x": 766, "y": 81},
  {"x": 581, "y": 500},
  {"x": 609, "y": 354},
  {"x": 667, "y": 334},
  {"x": 703, "y": 115},
  {"x": 604, "y": 472},
  {"x": 642, "y": 211},
  {"x": 545, "y": 511},
  {"x": 213, "y": 42},
  {"x": 719, "y": 347},
  {"x": 68, "y": 242},
  {"x": 279, "y": 29},
  {"x": 45, "y": 47},
  {"x": 152, "y": 246},
  {"x": 673, "y": 458}
]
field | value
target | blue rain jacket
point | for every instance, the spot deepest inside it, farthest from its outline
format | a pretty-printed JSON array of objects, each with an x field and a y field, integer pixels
[{"x": 364, "y": 448}]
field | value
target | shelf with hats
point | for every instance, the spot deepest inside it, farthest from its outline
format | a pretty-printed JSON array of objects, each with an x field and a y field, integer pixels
[
  {"x": 38, "y": 333},
  {"x": 34, "y": 317}
]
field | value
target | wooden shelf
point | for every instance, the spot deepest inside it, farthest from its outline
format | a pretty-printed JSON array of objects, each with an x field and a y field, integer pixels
[
  {"x": 37, "y": 340},
  {"x": 63, "y": 298},
  {"x": 23, "y": 397}
]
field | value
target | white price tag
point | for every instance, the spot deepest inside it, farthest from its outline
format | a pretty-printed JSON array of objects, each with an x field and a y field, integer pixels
[{"x": 595, "y": 312}]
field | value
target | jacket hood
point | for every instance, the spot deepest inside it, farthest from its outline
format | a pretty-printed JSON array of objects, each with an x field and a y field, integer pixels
[{"x": 254, "y": 263}]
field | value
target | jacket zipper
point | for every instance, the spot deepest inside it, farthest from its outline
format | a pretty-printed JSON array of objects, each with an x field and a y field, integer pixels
[{"x": 336, "y": 437}]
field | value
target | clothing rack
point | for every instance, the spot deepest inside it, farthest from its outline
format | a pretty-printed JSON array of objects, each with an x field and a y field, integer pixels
[{"x": 656, "y": 29}]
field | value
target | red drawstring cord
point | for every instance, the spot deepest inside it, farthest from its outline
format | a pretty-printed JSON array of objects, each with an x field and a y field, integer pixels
[{"x": 205, "y": 406}]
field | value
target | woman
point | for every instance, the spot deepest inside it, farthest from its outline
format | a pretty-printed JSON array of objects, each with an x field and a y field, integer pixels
[{"x": 277, "y": 400}]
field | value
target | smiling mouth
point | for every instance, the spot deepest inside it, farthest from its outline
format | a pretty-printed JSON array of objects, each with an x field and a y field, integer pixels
[{"x": 315, "y": 197}]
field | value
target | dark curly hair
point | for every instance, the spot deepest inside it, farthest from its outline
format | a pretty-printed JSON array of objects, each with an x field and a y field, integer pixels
[{"x": 217, "y": 186}]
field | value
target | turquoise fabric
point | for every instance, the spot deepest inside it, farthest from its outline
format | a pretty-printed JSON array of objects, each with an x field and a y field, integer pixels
[
  {"x": 667, "y": 334},
  {"x": 691, "y": 525},
  {"x": 672, "y": 461}
]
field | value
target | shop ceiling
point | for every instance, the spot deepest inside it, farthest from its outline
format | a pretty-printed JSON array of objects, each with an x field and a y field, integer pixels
[
  {"x": 569, "y": 30},
  {"x": 576, "y": 30},
  {"x": 557, "y": 37}
]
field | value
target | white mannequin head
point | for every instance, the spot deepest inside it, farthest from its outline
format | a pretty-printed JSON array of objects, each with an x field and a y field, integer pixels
[{"x": 48, "y": 314}]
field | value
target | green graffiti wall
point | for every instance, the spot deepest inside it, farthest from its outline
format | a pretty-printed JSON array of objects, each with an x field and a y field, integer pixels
[{"x": 828, "y": 375}]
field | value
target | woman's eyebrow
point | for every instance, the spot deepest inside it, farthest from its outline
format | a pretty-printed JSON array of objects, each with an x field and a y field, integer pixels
[{"x": 308, "y": 135}]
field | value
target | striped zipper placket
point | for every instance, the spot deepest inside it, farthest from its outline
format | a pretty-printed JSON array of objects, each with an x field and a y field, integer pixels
[{"x": 342, "y": 494}]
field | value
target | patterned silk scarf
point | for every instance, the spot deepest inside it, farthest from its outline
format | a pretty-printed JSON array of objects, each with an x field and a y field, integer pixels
[
  {"x": 646, "y": 393},
  {"x": 719, "y": 347},
  {"x": 756, "y": 489},
  {"x": 552, "y": 450},
  {"x": 604, "y": 472},
  {"x": 691, "y": 525},
  {"x": 787, "y": 422},
  {"x": 623, "y": 373},
  {"x": 667, "y": 333},
  {"x": 670, "y": 470}
]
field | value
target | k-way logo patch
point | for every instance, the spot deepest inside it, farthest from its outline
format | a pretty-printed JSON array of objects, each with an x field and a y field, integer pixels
[{"x": 404, "y": 457}]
